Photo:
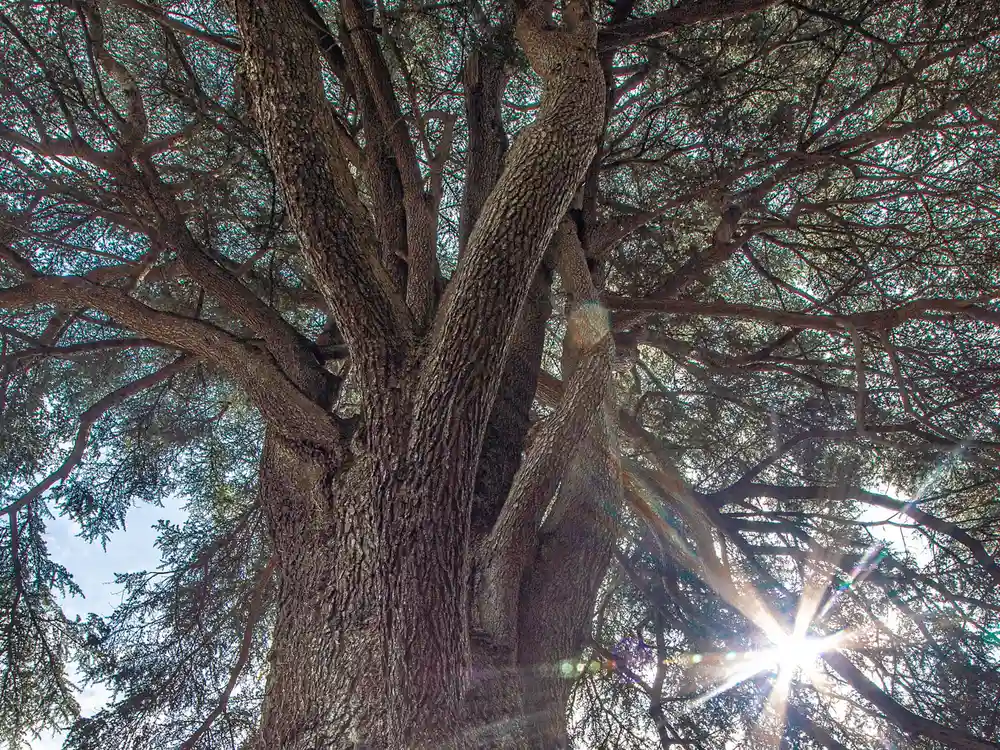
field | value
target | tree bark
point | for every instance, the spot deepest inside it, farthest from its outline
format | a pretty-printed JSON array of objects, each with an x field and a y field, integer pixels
[{"x": 372, "y": 645}]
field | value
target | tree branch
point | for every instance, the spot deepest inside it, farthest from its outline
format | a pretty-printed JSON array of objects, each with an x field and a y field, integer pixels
[
  {"x": 511, "y": 415},
  {"x": 910, "y": 510},
  {"x": 662, "y": 23},
  {"x": 921, "y": 309},
  {"x": 421, "y": 244},
  {"x": 817, "y": 732},
  {"x": 87, "y": 421},
  {"x": 902, "y": 717},
  {"x": 291, "y": 350},
  {"x": 510, "y": 546},
  {"x": 291, "y": 411},
  {"x": 70, "y": 351},
  {"x": 334, "y": 229},
  {"x": 483, "y": 79},
  {"x": 161, "y": 17},
  {"x": 468, "y": 345}
]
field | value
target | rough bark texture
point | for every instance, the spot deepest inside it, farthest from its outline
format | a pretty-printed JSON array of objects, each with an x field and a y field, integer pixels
[
  {"x": 372, "y": 645},
  {"x": 577, "y": 535},
  {"x": 511, "y": 417},
  {"x": 323, "y": 662},
  {"x": 438, "y": 553}
]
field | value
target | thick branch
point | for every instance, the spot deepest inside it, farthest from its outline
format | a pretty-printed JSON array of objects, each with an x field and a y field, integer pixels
[
  {"x": 484, "y": 79},
  {"x": 899, "y": 715},
  {"x": 511, "y": 415},
  {"x": 700, "y": 11},
  {"x": 292, "y": 351},
  {"x": 296, "y": 415},
  {"x": 922, "y": 309},
  {"x": 542, "y": 170},
  {"x": 161, "y": 17},
  {"x": 420, "y": 223},
  {"x": 466, "y": 354},
  {"x": 910, "y": 510},
  {"x": 334, "y": 230},
  {"x": 817, "y": 732},
  {"x": 512, "y": 542}
]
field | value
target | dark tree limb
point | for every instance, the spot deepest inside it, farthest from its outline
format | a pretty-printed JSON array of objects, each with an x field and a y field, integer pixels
[
  {"x": 911, "y": 510},
  {"x": 294, "y": 413},
  {"x": 483, "y": 79},
  {"x": 161, "y": 17},
  {"x": 510, "y": 419},
  {"x": 921, "y": 309},
  {"x": 908, "y": 721},
  {"x": 421, "y": 247},
  {"x": 686, "y": 14},
  {"x": 511, "y": 544}
]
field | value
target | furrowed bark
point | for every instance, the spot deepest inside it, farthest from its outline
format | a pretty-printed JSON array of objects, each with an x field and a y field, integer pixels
[
  {"x": 588, "y": 351},
  {"x": 558, "y": 593},
  {"x": 510, "y": 418},
  {"x": 541, "y": 172},
  {"x": 493, "y": 710},
  {"x": 409, "y": 502},
  {"x": 380, "y": 173},
  {"x": 460, "y": 375},
  {"x": 575, "y": 540},
  {"x": 510, "y": 547},
  {"x": 421, "y": 260},
  {"x": 325, "y": 668},
  {"x": 510, "y": 551},
  {"x": 484, "y": 80},
  {"x": 334, "y": 231}
]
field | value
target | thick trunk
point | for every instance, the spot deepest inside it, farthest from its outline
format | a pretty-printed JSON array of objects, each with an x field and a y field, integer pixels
[
  {"x": 362, "y": 650},
  {"x": 372, "y": 644},
  {"x": 324, "y": 682},
  {"x": 332, "y": 683},
  {"x": 325, "y": 688}
]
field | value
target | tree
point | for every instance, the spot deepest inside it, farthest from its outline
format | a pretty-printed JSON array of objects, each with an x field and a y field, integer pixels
[{"x": 530, "y": 371}]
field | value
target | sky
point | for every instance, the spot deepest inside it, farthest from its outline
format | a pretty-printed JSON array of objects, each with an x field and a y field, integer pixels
[{"x": 94, "y": 570}]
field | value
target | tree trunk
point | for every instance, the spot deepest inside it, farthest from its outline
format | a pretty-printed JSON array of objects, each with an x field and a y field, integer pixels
[
  {"x": 376, "y": 542},
  {"x": 324, "y": 667},
  {"x": 332, "y": 681}
]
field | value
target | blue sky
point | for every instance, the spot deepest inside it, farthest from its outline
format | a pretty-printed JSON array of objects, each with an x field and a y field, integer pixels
[{"x": 94, "y": 570}]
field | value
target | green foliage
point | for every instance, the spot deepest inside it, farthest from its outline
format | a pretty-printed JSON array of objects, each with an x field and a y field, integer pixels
[{"x": 855, "y": 143}]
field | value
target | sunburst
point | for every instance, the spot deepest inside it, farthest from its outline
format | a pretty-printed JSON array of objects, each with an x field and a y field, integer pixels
[{"x": 789, "y": 655}]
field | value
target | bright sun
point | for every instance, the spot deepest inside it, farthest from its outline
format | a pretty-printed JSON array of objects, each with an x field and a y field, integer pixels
[
  {"x": 793, "y": 656},
  {"x": 794, "y": 653}
]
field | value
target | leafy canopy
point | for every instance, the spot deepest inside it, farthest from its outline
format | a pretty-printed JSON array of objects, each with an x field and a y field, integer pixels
[{"x": 794, "y": 215}]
